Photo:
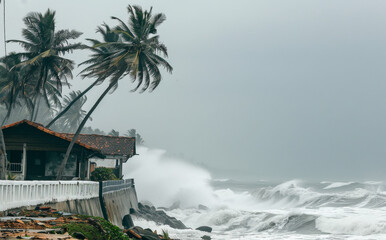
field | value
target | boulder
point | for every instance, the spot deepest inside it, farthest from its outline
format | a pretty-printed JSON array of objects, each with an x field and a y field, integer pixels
[
  {"x": 132, "y": 210},
  {"x": 158, "y": 216},
  {"x": 145, "y": 234},
  {"x": 127, "y": 221},
  {"x": 206, "y": 237}
]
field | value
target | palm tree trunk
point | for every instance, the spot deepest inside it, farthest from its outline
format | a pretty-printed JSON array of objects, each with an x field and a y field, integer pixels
[
  {"x": 71, "y": 103},
  {"x": 75, "y": 137},
  {"x": 35, "y": 105},
  {"x": 6, "y": 116},
  {"x": 36, "y": 108}
]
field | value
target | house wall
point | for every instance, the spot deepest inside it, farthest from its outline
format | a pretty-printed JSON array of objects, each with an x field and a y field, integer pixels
[{"x": 51, "y": 150}]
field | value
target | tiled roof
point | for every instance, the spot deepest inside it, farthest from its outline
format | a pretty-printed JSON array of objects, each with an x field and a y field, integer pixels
[
  {"x": 46, "y": 130},
  {"x": 106, "y": 145},
  {"x": 109, "y": 145}
]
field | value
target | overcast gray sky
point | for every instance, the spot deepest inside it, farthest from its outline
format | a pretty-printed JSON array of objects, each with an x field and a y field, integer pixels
[{"x": 260, "y": 89}]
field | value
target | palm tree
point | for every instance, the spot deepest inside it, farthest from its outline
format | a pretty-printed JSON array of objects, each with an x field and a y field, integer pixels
[
  {"x": 136, "y": 53},
  {"x": 72, "y": 119},
  {"x": 15, "y": 93},
  {"x": 113, "y": 133},
  {"x": 99, "y": 53},
  {"x": 138, "y": 138},
  {"x": 44, "y": 48},
  {"x": 12, "y": 87}
]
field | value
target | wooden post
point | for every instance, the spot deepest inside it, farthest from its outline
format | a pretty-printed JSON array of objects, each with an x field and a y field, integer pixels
[
  {"x": 24, "y": 161},
  {"x": 120, "y": 168}
]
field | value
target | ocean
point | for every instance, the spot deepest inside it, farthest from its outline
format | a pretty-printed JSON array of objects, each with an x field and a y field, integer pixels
[{"x": 293, "y": 209}]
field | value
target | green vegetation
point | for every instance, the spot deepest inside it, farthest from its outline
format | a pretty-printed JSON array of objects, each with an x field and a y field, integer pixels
[
  {"x": 103, "y": 174},
  {"x": 31, "y": 81},
  {"x": 165, "y": 234},
  {"x": 138, "y": 138},
  {"x": 130, "y": 50},
  {"x": 99, "y": 229},
  {"x": 44, "y": 68}
]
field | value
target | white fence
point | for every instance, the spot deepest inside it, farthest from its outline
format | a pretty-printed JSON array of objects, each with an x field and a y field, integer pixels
[{"x": 15, "y": 194}]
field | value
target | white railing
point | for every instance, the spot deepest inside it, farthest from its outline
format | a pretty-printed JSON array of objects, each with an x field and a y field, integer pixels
[
  {"x": 15, "y": 167},
  {"x": 15, "y": 194}
]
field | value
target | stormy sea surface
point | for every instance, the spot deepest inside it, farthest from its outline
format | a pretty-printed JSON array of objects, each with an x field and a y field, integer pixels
[{"x": 293, "y": 209}]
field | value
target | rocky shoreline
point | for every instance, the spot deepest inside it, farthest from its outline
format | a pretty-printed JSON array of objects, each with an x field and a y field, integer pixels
[{"x": 46, "y": 223}]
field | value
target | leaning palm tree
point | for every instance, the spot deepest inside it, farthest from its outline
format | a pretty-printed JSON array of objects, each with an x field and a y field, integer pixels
[
  {"x": 99, "y": 54},
  {"x": 72, "y": 119},
  {"x": 136, "y": 53},
  {"x": 44, "y": 48},
  {"x": 12, "y": 87}
]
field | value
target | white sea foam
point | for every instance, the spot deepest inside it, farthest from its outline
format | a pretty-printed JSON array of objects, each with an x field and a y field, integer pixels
[
  {"x": 291, "y": 210},
  {"x": 221, "y": 180},
  {"x": 338, "y": 184}
]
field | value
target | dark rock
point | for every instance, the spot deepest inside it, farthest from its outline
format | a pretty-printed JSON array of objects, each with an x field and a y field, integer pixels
[
  {"x": 202, "y": 207},
  {"x": 146, "y": 234},
  {"x": 132, "y": 234},
  {"x": 204, "y": 229},
  {"x": 132, "y": 210},
  {"x": 127, "y": 221},
  {"x": 206, "y": 237},
  {"x": 78, "y": 235},
  {"x": 158, "y": 216},
  {"x": 12, "y": 214}
]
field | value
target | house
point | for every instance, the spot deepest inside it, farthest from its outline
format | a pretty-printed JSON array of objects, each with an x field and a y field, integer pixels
[
  {"x": 35, "y": 152},
  {"x": 116, "y": 150}
]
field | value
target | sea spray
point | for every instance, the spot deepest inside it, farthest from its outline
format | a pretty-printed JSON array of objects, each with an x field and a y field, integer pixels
[
  {"x": 294, "y": 209},
  {"x": 164, "y": 180}
]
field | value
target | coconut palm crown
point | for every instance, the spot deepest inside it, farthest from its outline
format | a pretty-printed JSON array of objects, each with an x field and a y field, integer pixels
[
  {"x": 134, "y": 53},
  {"x": 44, "y": 48}
]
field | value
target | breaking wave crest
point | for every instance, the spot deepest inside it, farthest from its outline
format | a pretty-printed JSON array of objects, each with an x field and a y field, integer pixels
[{"x": 232, "y": 207}]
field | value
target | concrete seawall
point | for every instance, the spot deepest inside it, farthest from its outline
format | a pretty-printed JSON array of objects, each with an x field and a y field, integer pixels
[
  {"x": 91, "y": 207},
  {"x": 113, "y": 201},
  {"x": 118, "y": 204}
]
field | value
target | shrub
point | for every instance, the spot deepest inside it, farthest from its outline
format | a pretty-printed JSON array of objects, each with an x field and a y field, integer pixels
[
  {"x": 103, "y": 174},
  {"x": 96, "y": 229}
]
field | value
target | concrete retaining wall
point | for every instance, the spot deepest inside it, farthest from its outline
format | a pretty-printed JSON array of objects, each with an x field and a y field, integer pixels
[
  {"x": 118, "y": 204},
  {"x": 14, "y": 194},
  {"x": 115, "y": 198},
  {"x": 91, "y": 207}
]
